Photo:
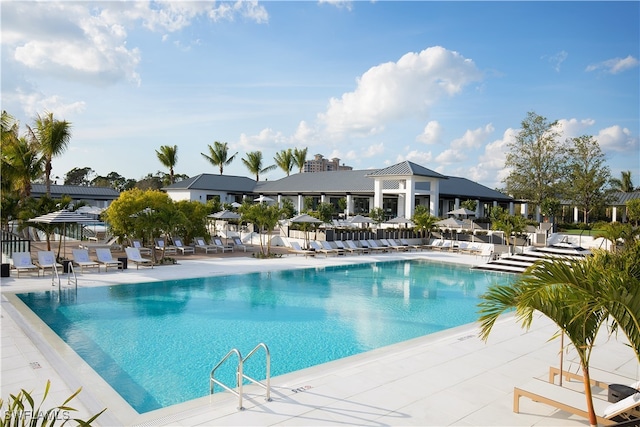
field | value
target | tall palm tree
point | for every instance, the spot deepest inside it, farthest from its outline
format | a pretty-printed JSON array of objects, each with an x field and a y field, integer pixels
[
  {"x": 253, "y": 162},
  {"x": 168, "y": 156},
  {"x": 300, "y": 158},
  {"x": 284, "y": 160},
  {"x": 624, "y": 183},
  {"x": 21, "y": 165},
  {"x": 219, "y": 155},
  {"x": 53, "y": 137}
]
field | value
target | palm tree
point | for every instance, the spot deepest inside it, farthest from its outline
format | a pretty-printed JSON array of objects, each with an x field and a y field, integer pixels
[
  {"x": 219, "y": 155},
  {"x": 53, "y": 137},
  {"x": 21, "y": 165},
  {"x": 284, "y": 160},
  {"x": 615, "y": 233},
  {"x": 545, "y": 289},
  {"x": 424, "y": 221},
  {"x": 624, "y": 183},
  {"x": 253, "y": 162},
  {"x": 168, "y": 156},
  {"x": 300, "y": 158}
]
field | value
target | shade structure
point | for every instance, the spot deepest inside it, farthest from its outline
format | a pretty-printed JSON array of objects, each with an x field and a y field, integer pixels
[
  {"x": 449, "y": 223},
  {"x": 461, "y": 211},
  {"x": 236, "y": 205},
  {"x": 306, "y": 218},
  {"x": 263, "y": 199},
  {"x": 225, "y": 214},
  {"x": 359, "y": 219},
  {"x": 63, "y": 217},
  {"x": 399, "y": 220}
]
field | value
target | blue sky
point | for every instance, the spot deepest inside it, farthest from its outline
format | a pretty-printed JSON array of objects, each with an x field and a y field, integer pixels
[{"x": 443, "y": 84}]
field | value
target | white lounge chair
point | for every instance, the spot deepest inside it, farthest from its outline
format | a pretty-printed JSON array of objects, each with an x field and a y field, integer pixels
[
  {"x": 111, "y": 243},
  {"x": 204, "y": 246},
  {"x": 374, "y": 246},
  {"x": 22, "y": 263},
  {"x": 161, "y": 245},
  {"x": 354, "y": 250},
  {"x": 352, "y": 245},
  {"x": 224, "y": 248},
  {"x": 47, "y": 259},
  {"x": 573, "y": 401},
  {"x": 105, "y": 258},
  {"x": 327, "y": 246},
  {"x": 136, "y": 243},
  {"x": 296, "y": 249},
  {"x": 177, "y": 241},
  {"x": 82, "y": 260},
  {"x": 133, "y": 254},
  {"x": 237, "y": 243}
]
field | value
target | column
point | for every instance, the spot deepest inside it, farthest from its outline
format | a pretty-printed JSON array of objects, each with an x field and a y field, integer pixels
[
  {"x": 575, "y": 214},
  {"x": 614, "y": 214},
  {"x": 434, "y": 196},
  {"x": 409, "y": 199},
  {"x": 377, "y": 193},
  {"x": 300, "y": 203}
]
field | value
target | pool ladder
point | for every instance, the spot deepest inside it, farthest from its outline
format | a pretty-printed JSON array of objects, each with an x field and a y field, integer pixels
[{"x": 240, "y": 374}]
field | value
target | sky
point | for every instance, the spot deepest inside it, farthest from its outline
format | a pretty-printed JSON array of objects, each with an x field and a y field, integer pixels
[{"x": 445, "y": 85}]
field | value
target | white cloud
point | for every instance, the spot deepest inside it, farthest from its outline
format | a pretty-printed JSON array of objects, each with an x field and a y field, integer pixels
[
  {"x": 615, "y": 65},
  {"x": 450, "y": 156},
  {"x": 431, "y": 134},
  {"x": 419, "y": 157},
  {"x": 572, "y": 128},
  {"x": 395, "y": 90},
  {"x": 617, "y": 138},
  {"x": 557, "y": 59},
  {"x": 473, "y": 138},
  {"x": 35, "y": 103},
  {"x": 266, "y": 139}
]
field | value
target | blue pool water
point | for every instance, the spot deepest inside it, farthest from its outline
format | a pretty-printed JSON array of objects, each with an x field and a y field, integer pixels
[{"x": 156, "y": 343}]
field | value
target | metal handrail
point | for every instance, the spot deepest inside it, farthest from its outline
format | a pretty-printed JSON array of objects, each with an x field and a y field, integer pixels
[
  {"x": 266, "y": 386},
  {"x": 72, "y": 270},
  {"x": 239, "y": 376}
]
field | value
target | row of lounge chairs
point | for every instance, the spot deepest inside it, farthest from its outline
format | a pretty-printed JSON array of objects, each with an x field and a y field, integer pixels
[
  {"x": 386, "y": 245},
  {"x": 199, "y": 243}
]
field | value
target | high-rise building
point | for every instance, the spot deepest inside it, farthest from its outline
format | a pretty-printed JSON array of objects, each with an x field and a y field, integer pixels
[{"x": 320, "y": 164}]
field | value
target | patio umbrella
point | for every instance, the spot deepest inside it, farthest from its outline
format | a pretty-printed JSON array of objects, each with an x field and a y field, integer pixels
[
  {"x": 262, "y": 199},
  {"x": 399, "y": 220},
  {"x": 449, "y": 223},
  {"x": 225, "y": 215},
  {"x": 63, "y": 217},
  {"x": 359, "y": 219},
  {"x": 306, "y": 219},
  {"x": 461, "y": 211}
]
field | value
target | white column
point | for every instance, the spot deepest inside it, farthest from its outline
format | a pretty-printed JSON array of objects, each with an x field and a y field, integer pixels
[
  {"x": 434, "y": 197},
  {"x": 377, "y": 193},
  {"x": 409, "y": 199},
  {"x": 300, "y": 203},
  {"x": 456, "y": 203},
  {"x": 349, "y": 204},
  {"x": 614, "y": 214},
  {"x": 575, "y": 214},
  {"x": 525, "y": 210},
  {"x": 511, "y": 208},
  {"x": 479, "y": 213}
]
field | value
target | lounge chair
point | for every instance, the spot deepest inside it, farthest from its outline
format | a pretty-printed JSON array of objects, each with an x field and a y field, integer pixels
[
  {"x": 296, "y": 249},
  {"x": 105, "y": 258},
  {"x": 47, "y": 259},
  {"x": 177, "y": 241},
  {"x": 445, "y": 246},
  {"x": 434, "y": 245},
  {"x": 326, "y": 248},
  {"x": 224, "y": 248},
  {"x": 161, "y": 245},
  {"x": 392, "y": 244},
  {"x": 111, "y": 243},
  {"x": 404, "y": 242},
  {"x": 82, "y": 260},
  {"x": 373, "y": 245},
  {"x": 573, "y": 401},
  {"x": 352, "y": 245},
  {"x": 342, "y": 245},
  {"x": 136, "y": 243},
  {"x": 237, "y": 243},
  {"x": 598, "y": 377},
  {"x": 22, "y": 263},
  {"x": 133, "y": 254},
  {"x": 204, "y": 246}
]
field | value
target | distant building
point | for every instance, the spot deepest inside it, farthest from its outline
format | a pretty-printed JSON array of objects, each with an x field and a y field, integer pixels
[{"x": 320, "y": 164}]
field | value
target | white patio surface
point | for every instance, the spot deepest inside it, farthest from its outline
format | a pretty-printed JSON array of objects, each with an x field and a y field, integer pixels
[{"x": 448, "y": 378}]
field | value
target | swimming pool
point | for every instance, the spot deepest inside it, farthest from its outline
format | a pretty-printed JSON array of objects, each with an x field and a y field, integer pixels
[{"x": 155, "y": 343}]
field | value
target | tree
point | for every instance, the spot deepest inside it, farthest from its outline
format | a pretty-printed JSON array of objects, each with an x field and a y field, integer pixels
[
  {"x": 300, "y": 158},
  {"x": 509, "y": 224},
  {"x": 616, "y": 233},
  {"x": 624, "y": 183},
  {"x": 469, "y": 204},
  {"x": 219, "y": 155},
  {"x": 53, "y": 137},
  {"x": 325, "y": 212},
  {"x": 633, "y": 210},
  {"x": 536, "y": 161},
  {"x": 579, "y": 296},
  {"x": 151, "y": 182},
  {"x": 588, "y": 175},
  {"x": 424, "y": 221},
  {"x": 114, "y": 180},
  {"x": 168, "y": 156},
  {"x": 78, "y": 176},
  {"x": 284, "y": 160},
  {"x": 265, "y": 217},
  {"x": 377, "y": 215},
  {"x": 550, "y": 207},
  {"x": 21, "y": 165},
  {"x": 253, "y": 162}
]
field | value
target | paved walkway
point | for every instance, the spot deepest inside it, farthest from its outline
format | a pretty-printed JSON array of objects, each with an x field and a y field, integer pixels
[{"x": 448, "y": 378}]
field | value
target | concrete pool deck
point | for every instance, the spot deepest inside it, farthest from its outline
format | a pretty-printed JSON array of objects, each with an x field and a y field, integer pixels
[{"x": 447, "y": 378}]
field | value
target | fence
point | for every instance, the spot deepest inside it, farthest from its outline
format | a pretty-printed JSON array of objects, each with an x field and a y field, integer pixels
[{"x": 11, "y": 243}]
